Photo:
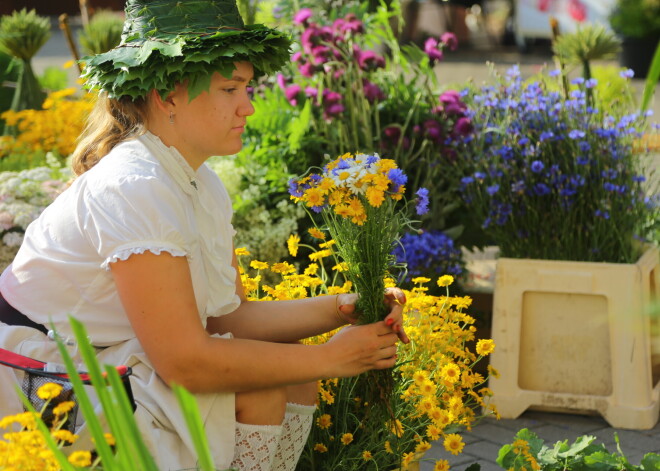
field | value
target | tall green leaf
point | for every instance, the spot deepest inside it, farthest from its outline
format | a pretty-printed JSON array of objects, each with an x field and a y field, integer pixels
[{"x": 652, "y": 78}]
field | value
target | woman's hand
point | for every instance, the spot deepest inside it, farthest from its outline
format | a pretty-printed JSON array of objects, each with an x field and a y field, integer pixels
[
  {"x": 394, "y": 299},
  {"x": 356, "y": 349}
]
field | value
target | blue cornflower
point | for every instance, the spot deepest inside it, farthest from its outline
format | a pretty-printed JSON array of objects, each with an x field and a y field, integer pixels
[
  {"x": 491, "y": 190},
  {"x": 523, "y": 141},
  {"x": 372, "y": 159},
  {"x": 639, "y": 178},
  {"x": 506, "y": 152},
  {"x": 591, "y": 83},
  {"x": 537, "y": 166},
  {"x": 554, "y": 72},
  {"x": 397, "y": 177},
  {"x": 429, "y": 251},
  {"x": 343, "y": 164},
  {"x": 479, "y": 175},
  {"x": 628, "y": 73},
  {"x": 577, "y": 81},
  {"x": 541, "y": 189},
  {"x": 610, "y": 186},
  {"x": 422, "y": 206},
  {"x": 545, "y": 135},
  {"x": 602, "y": 214},
  {"x": 294, "y": 188},
  {"x": 609, "y": 173},
  {"x": 567, "y": 191},
  {"x": 584, "y": 146},
  {"x": 576, "y": 134},
  {"x": 467, "y": 180}
]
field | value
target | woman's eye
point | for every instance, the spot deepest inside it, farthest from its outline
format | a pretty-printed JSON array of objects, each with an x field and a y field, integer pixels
[{"x": 230, "y": 90}]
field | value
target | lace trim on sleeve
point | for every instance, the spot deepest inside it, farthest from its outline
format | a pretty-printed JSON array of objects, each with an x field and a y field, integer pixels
[{"x": 156, "y": 247}]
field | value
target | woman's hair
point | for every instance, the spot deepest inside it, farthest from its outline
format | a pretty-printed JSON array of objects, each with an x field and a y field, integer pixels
[{"x": 110, "y": 122}]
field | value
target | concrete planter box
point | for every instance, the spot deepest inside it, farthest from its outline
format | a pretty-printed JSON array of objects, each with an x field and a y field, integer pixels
[{"x": 578, "y": 337}]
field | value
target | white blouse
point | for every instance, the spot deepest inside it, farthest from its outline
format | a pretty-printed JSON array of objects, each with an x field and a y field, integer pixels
[{"x": 142, "y": 196}]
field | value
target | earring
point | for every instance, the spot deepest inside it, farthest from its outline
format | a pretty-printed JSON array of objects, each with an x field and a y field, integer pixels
[{"x": 171, "y": 118}]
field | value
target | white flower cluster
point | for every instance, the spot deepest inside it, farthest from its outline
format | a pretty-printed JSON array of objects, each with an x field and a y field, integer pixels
[
  {"x": 350, "y": 172},
  {"x": 24, "y": 195}
]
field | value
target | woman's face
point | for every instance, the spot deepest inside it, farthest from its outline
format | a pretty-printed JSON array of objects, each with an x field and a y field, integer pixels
[{"x": 213, "y": 122}]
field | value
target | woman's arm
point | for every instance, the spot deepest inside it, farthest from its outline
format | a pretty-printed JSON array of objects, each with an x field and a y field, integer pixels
[
  {"x": 158, "y": 297},
  {"x": 292, "y": 320}
]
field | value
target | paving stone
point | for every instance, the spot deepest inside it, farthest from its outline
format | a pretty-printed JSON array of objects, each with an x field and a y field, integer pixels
[
  {"x": 524, "y": 421},
  {"x": 580, "y": 423},
  {"x": 483, "y": 450},
  {"x": 637, "y": 440},
  {"x": 493, "y": 432}
]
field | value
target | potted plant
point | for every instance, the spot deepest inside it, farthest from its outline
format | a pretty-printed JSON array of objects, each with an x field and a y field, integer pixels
[
  {"x": 557, "y": 180},
  {"x": 638, "y": 24}
]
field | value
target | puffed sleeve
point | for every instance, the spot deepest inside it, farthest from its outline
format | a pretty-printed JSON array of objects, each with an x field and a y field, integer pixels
[{"x": 133, "y": 214}]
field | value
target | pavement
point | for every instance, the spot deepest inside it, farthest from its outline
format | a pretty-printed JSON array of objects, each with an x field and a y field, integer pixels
[{"x": 485, "y": 439}]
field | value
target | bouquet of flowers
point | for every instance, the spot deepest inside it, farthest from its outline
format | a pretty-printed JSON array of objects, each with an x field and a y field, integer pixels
[
  {"x": 551, "y": 176},
  {"x": 356, "y": 197}
]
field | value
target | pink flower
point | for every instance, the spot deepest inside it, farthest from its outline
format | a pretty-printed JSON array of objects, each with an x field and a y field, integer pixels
[
  {"x": 450, "y": 40},
  {"x": 432, "y": 50},
  {"x": 281, "y": 81},
  {"x": 302, "y": 16},
  {"x": 463, "y": 126},
  {"x": 543, "y": 5},
  {"x": 372, "y": 92},
  {"x": 292, "y": 92},
  {"x": 307, "y": 69},
  {"x": 368, "y": 60},
  {"x": 577, "y": 10}
]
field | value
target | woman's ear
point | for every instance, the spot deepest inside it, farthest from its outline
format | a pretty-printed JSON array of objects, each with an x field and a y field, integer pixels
[{"x": 167, "y": 105}]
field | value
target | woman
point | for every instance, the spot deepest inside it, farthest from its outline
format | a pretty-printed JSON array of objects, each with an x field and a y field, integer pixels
[{"x": 139, "y": 249}]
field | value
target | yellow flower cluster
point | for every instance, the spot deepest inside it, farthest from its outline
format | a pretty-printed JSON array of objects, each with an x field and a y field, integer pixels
[
  {"x": 529, "y": 463},
  {"x": 24, "y": 447},
  {"x": 348, "y": 182},
  {"x": 436, "y": 387},
  {"x": 53, "y": 129}
]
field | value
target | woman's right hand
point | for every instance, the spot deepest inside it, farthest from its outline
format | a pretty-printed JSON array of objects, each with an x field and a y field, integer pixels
[{"x": 356, "y": 349}]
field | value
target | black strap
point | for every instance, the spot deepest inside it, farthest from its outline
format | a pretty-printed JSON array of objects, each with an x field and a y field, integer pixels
[{"x": 11, "y": 316}]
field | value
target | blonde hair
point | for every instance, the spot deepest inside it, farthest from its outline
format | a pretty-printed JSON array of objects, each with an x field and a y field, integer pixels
[{"x": 110, "y": 122}]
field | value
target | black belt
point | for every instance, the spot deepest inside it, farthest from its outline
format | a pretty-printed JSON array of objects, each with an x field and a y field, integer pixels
[{"x": 11, "y": 316}]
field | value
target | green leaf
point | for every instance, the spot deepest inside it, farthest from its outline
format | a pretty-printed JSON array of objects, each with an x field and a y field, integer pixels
[
  {"x": 651, "y": 462},
  {"x": 193, "y": 419},
  {"x": 298, "y": 127},
  {"x": 602, "y": 460},
  {"x": 504, "y": 456},
  {"x": 578, "y": 447},
  {"x": 652, "y": 78}
]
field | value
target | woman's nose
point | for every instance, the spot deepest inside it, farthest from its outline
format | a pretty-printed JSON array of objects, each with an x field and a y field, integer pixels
[{"x": 246, "y": 107}]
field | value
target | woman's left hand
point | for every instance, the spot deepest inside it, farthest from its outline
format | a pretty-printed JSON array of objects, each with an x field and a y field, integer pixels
[{"x": 394, "y": 299}]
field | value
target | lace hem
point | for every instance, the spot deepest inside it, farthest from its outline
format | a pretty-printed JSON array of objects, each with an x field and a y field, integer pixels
[{"x": 156, "y": 248}]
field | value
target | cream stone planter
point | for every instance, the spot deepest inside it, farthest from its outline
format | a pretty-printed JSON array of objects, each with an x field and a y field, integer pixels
[{"x": 578, "y": 336}]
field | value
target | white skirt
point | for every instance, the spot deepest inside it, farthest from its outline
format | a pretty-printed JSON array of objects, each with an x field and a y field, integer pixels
[{"x": 158, "y": 414}]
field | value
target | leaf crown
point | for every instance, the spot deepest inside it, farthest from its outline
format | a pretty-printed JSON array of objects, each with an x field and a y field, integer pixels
[{"x": 168, "y": 41}]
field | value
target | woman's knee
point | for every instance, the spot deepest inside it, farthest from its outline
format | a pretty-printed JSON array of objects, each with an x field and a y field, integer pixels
[
  {"x": 305, "y": 394},
  {"x": 262, "y": 406}
]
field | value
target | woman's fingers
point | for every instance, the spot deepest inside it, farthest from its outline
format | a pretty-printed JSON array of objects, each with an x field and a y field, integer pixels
[{"x": 395, "y": 294}]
